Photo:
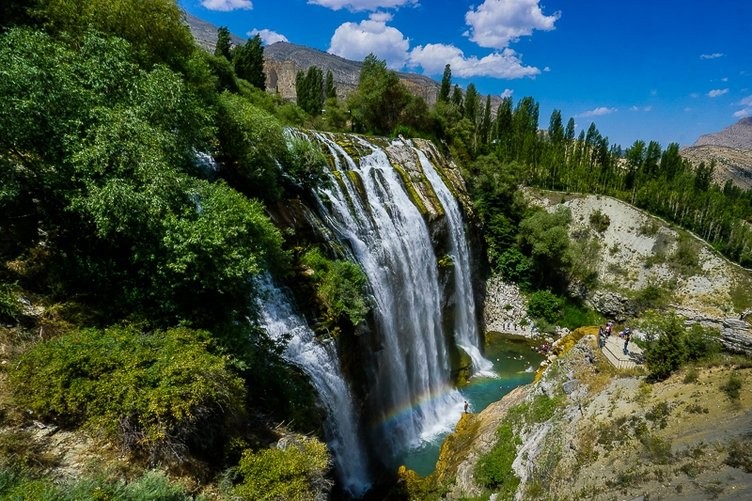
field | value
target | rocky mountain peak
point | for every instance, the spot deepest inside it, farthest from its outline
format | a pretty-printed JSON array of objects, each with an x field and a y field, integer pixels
[{"x": 738, "y": 135}]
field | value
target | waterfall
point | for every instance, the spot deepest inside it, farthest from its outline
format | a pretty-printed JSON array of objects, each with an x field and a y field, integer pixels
[
  {"x": 320, "y": 362},
  {"x": 412, "y": 398},
  {"x": 465, "y": 324}
]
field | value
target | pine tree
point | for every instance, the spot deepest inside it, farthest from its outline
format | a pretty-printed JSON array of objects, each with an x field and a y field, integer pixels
[
  {"x": 249, "y": 62},
  {"x": 555, "y": 128},
  {"x": 224, "y": 43},
  {"x": 446, "y": 85}
]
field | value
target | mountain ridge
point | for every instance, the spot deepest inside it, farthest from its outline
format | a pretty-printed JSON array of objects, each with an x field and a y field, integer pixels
[{"x": 730, "y": 149}]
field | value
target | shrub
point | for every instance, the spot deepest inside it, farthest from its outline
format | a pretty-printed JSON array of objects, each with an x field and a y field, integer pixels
[
  {"x": 732, "y": 386},
  {"x": 293, "y": 473},
  {"x": 544, "y": 305},
  {"x": 10, "y": 306},
  {"x": 306, "y": 163},
  {"x": 666, "y": 349},
  {"x": 599, "y": 221},
  {"x": 702, "y": 342},
  {"x": 515, "y": 266},
  {"x": 340, "y": 287},
  {"x": 740, "y": 455},
  {"x": 160, "y": 394}
]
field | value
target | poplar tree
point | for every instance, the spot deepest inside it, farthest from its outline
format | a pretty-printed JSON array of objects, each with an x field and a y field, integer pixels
[
  {"x": 249, "y": 62},
  {"x": 446, "y": 85},
  {"x": 223, "y": 43},
  {"x": 471, "y": 103},
  {"x": 330, "y": 91}
]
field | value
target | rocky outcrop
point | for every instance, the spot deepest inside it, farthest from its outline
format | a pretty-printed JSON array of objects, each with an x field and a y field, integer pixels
[
  {"x": 738, "y": 135},
  {"x": 736, "y": 333},
  {"x": 612, "y": 305},
  {"x": 505, "y": 309},
  {"x": 730, "y": 150}
]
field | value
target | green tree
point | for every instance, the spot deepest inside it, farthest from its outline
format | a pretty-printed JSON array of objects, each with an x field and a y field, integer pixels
[
  {"x": 472, "y": 103},
  {"x": 555, "y": 128},
  {"x": 249, "y": 62},
  {"x": 378, "y": 102},
  {"x": 224, "y": 43},
  {"x": 666, "y": 349},
  {"x": 330, "y": 91},
  {"x": 310, "y": 91},
  {"x": 251, "y": 142},
  {"x": 446, "y": 85},
  {"x": 155, "y": 28}
]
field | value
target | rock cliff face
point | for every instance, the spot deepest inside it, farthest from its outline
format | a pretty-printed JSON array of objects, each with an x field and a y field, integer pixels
[
  {"x": 283, "y": 60},
  {"x": 730, "y": 149},
  {"x": 612, "y": 436}
]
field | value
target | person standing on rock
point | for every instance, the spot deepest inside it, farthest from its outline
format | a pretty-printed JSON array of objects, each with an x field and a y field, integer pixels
[
  {"x": 627, "y": 333},
  {"x": 466, "y": 406}
]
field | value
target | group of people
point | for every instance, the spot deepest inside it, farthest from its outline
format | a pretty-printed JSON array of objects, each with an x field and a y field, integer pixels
[{"x": 605, "y": 333}]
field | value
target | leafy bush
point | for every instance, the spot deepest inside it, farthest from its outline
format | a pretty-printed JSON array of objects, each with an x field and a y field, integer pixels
[
  {"x": 515, "y": 266},
  {"x": 10, "y": 306},
  {"x": 295, "y": 473},
  {"x": 306, "y": 163},
  {"x": 732, "y": 386},
  {"x": 685, "y": 259},
  {"x": 340, "y": 287},
  {"x": 702, "y": 342},
  {"x": 599, "y": 221},
  {"x": 544, "y": 305},
  {"x": 666, "y": 348},
  {"x": 160, "y": 394}
]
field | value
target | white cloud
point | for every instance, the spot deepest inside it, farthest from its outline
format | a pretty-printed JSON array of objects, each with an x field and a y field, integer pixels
[
  {"x": 268, "y": 36},
  {"x": 694, "y": 95},
  {"x": 507, "y": 93},
  {"x": 496, "y": 23},
  {"x": 714, "y": 55},
  {"x": 724, "y": 79},
  {"x": 546, "y": 69},
  {"x": 227, "y": 5},
  {"x": 597, "y": 112},
  {"x": 717, "y": 92},
  {"x": 688, "y": 109},
  {"x": 360, "y": 5},
  {"x": 746, "y": 111},
  {"x": 505, "y": 64},
  {"x": 356, "y": 41},
  {"x": 645, "y": 109}
]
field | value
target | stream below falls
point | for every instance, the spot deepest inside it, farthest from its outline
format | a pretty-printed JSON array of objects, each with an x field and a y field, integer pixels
[{"x": 514, "y": 364}]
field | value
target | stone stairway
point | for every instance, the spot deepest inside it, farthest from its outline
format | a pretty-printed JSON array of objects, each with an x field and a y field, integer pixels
[{"x": 614, "y": 352}]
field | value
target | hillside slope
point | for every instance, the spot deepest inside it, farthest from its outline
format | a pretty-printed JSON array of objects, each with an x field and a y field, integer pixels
[{"x": 730, "y": 149}]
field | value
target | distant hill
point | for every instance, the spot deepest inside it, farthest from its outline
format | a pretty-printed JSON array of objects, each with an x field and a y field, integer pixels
[
  {"x": 737, "y": 136},
  {"x": 283, "y": 60},
  {"x": 731, "y": 149}
]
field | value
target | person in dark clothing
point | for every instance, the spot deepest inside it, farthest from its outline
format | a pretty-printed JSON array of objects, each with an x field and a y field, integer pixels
[{"x": 627, "y": 333}]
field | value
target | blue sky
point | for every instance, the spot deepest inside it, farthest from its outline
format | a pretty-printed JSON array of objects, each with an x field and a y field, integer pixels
[{"x": 668, "y": 70}]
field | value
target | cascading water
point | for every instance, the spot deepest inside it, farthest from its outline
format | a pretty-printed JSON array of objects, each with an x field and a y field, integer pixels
[
  {"x": 369, "y": 207},
  {"x": 319, "y": 360},
  {"x": 465, "y": 324}
]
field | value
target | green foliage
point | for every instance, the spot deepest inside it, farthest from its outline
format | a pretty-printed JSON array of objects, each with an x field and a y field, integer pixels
[
  {"x": 22, "y": 485},
  {"x": 544, "y": 305},
  {"x": 702, "y": 342},
  {"x": 494, "y": 470},
  {"x": 515, "y": 266},
  {"x": 161, "y": 394},
  {"x": 599, "y": 221},
  {"x": 295, "y": 473},
  {"x": 545, "y": 237},
  {"x": 340, "y": 287},
  {"x": 732, "y": 386},
  {"x": 666, "y": 349},
  {"x": 685, "y": 258},
  {"x": 251, "y": 142},
  {"x": 309, "y": 88},
  {"x": 224, "y": 43},
  {"x": 10, "y": 305},
  {"x": 307, "y": 164},
  {"x": 574, "y": 315},
  {"x": 652, "y": 296},
  {"x": 740, "y": 454},
  {"x": 380, "y": 98},
  {"x": 248, "y": 60},
  {"x": 167, "y": 39}
]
